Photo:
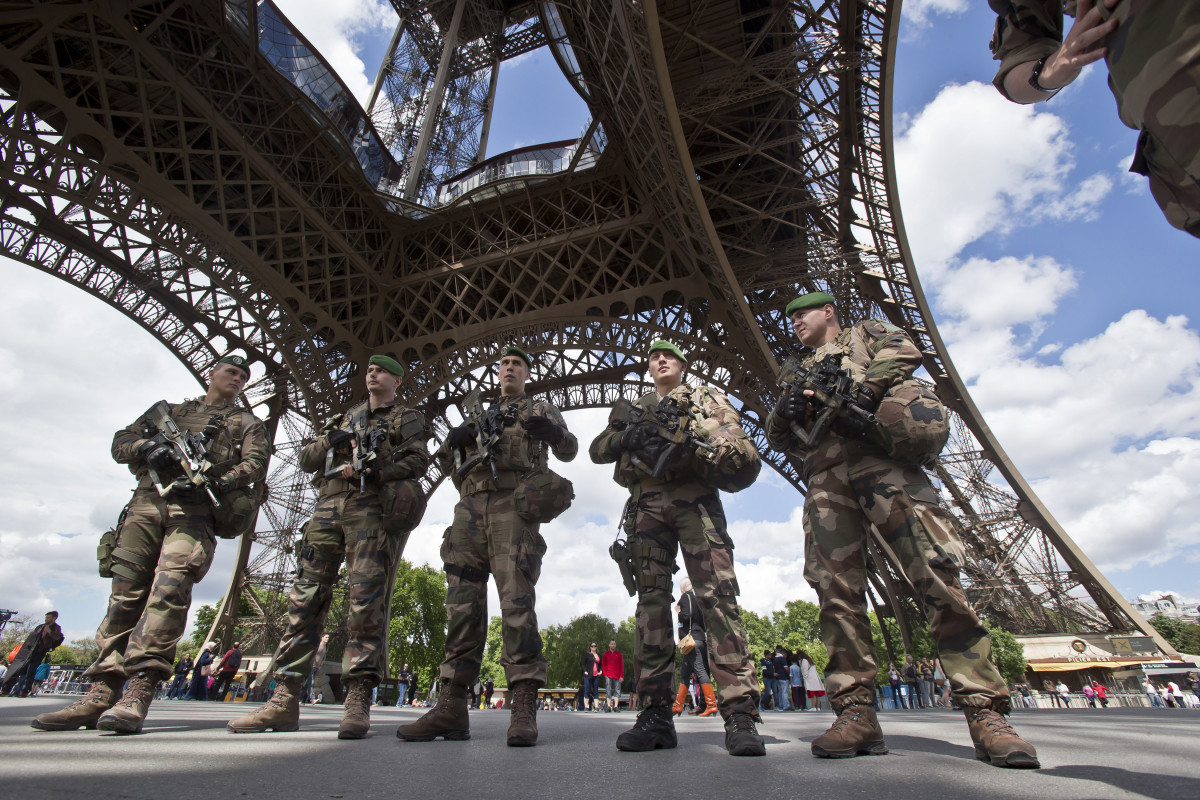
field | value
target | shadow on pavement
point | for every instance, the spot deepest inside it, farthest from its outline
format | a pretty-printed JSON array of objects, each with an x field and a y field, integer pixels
[{"x": 1160, "y": 787}]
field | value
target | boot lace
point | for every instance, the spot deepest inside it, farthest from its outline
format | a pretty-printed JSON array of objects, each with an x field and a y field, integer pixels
[
  {"x": 138, "y": 690},
  {"x": 993, "y": 721},
  {"x": 742, "y": 723},
  {"x": 524, "y": 700},
  {"x": 649, "y": 717},
  {"x": 848, "y": 715}
]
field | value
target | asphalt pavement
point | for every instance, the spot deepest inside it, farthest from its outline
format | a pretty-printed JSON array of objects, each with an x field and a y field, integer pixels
[{"x": 184, "y": 752}]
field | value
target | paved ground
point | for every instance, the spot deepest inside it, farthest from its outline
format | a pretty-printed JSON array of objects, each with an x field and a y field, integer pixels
[{"x": 186, "y": 753}]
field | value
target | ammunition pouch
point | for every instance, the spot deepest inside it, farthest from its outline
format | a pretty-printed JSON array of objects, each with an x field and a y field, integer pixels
[
  {"x": 313, "y": 566},
  {"x": 130, "y": 565},
  {"x": 472, "y": 574},
  {"x": 733, "y": 466},
  {"x": 238, "y": 511},
  {"x": 543, "y": 495},
  {"x": 403, "y": 504},
  {"x": 913, "y": 425},
  {"x": 104, "y": 551},
  {"x": 647, "y": 551}
]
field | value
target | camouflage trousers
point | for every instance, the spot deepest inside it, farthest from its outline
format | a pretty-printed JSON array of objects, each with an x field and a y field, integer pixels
[
  {"x": 162, "y": 549},
  {"x": 345, "y": 526},
  {"x": 1154, "y": 73},
  {"x": 488, "y": 536},
  {"x": 688, "y": 517},
  {"x": 867, "y": 489}
]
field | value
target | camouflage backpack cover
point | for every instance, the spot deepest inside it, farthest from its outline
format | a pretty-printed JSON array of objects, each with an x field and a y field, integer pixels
[
  {"x": 403, "y": 504},
  {"x": 543, "y": 495},
  {"x": 913, "y": 425}
]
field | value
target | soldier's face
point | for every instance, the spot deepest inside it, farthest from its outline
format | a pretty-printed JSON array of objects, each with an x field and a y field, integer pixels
[
  {"x": 811, "y": 325},
  {"x": 513, "y": 374},
  {"x": 227, "y": 380},
  {"x": 666, "y": 367},
  {"x": 380, "y": 381}
]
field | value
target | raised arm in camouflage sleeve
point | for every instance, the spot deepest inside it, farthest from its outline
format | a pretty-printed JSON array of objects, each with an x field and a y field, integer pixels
[
  {"x": 312, "y": 456},
  {"x": 606, "y": 448},
  {"x": 408, "y": 454},
  {"x": 252, "y": 464},
  {"x": 1026, "y": 30},
  {"x": 567, "y": 447},
  {"x": 894, "y": 357}
]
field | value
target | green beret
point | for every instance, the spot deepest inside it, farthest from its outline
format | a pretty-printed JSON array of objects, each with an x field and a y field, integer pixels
[
  {"x": 663, "y": 344},
  {"x": 238, "y": 361},
  {"x": 388, "y": 363},
  {"x": 513, "y": 350},
  {"x": 811, "y": 300}
]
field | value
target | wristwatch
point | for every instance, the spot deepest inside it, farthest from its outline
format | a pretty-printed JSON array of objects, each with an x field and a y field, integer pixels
[{"x": 1037, "y": 73}]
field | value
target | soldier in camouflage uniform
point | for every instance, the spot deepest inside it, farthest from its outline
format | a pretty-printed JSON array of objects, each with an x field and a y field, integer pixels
[
  {"x": 356, "y": 521},
  {"x": 681, "y": 510},
  {"x": 164, "y": 545},
  {"x": 852, "y": 483},
  {"x": 489, "y": 535},
  {"x": 1153, "y": 71}
]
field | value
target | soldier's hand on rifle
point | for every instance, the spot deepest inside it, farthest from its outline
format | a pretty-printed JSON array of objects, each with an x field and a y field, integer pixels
[
  {"x": 635, "y": 437},
  {"x": 157, "y": 453},
  {"x": 543, "y": 429},
  {"x": 793, "y": 406},
  {"x": 461, "y": 436},
  {"x": 340, "y": 439},
  {"x": 225, "y": 484}
]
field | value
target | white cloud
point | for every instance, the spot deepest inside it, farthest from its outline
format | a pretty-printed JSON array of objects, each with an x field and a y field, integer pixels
[
  {"x": 334, "y": 26},
  {"x": 971, "y": 163},
  {"x": 920, "y": 12}
]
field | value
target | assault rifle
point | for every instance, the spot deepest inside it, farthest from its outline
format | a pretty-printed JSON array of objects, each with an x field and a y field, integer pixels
[
  {"x": 669, "y": 422},
  {"x": 833, "y": 392},
  {"x": 489, "y": 426},
  {"x": 191, "y": 451},
  {"x": 364, "y": 452}
]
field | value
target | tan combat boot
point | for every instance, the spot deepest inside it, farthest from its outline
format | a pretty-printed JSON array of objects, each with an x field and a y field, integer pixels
[
  {"x": 996, "y": 742},
  {"x": 522, "y": 726},
  {"x": 855, "y": 732},
  {"x": 86, "y": 710},
  {"x": 680, "y": 699},
  {"x": 448, "y": 719},
  {"x": 128, "y": 713},
  {"x": 281, "y": 713},
  {"x": 356, "y": 719}
]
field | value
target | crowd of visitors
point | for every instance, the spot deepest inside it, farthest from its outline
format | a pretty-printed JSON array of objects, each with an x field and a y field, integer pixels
[{"x": 791, "y": 681}]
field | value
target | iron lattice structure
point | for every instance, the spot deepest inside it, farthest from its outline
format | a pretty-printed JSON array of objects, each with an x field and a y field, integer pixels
[{"x": 199, "y": 167}]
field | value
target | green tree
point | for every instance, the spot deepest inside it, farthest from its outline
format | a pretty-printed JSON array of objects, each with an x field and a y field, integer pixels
[
  {"x": 77, "y": 651},
  {"x": 492, "y": 650},
  {"x": 564, "y": 646},
  {"x": 1008, "y": 654},
  {"x": 1183, "y": 636},
  {"x": 417, "y": 630}
]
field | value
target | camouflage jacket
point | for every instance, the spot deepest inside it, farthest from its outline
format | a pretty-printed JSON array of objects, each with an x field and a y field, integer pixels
[
  {"x": 516, "y": 453},
  {"x": 873, "y": 352},
  {"x": 711, "y": 411},
  {"x": 403, "y": 453},
  {"x": 238, "y": 450}
]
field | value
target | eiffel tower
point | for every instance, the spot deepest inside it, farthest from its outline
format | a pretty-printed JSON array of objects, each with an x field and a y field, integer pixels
[{"x": 199, "y": 167}]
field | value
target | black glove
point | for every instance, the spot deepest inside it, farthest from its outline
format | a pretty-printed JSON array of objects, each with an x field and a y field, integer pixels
[
  {"x": 793, "y": 406},
  {"x": 856, "y": 423},
  {"x": 224, "y": 485},
  {"x": 635, "y": 437},
  {"x": 157, "y": 453},
  {"x": 339, "y": 438},
  {"x": 543, "y": 429},
  {"x": 461, "y": 436}
]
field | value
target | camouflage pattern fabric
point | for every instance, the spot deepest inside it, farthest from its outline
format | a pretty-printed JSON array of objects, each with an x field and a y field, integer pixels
[
  {"x": 853, "y": 484},
  {"x": 684, "y": 514},
  {"x": 1154, "y": 73},
  {"x": 165, "y": 546},
  {"x": 486, "y": 537},
  {"x": 347, "y": 525},
  {"x": 489, "y": 536}
]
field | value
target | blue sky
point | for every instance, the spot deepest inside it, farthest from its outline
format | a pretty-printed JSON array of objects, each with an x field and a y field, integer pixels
[{"x": 1067, "y": 302}]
